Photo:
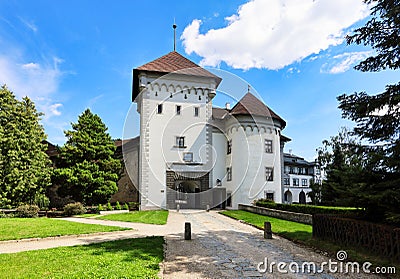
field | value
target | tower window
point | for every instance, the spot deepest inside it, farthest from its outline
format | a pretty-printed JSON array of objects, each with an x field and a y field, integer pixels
[
  {"x": 229, "y": 174},
  {"x": 159, "y": 108},
  {"x": 196, "y": 111},
  {"x": 188, "y": 157},
  {"x": 268, "y": 146},
  {"x": 269, "y": 174},
  {"x": 269, "y": 196},
  {"x": 229, "y": 147},
  {"x": 180, "y": 142},
  {"x": 178, "y": 110}
]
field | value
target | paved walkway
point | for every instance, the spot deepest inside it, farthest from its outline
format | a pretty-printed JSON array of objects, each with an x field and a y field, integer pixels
[{"x": 220, "y": 247}]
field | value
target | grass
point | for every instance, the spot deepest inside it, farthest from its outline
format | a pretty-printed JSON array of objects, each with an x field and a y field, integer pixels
[
  {"x": 19, "y": 228},
  {"x": 157, "y": 217},
  {"x": 291, "y": 230},
  {"x": 302, "y": 233},
  {"x": 86, "y": 215},
  {"x": 131, "y": 258}
]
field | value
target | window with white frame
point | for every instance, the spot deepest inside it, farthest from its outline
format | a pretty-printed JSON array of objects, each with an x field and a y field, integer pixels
[
  {"x": 269, "y": 174},
  {"x": 268, "y": 146},
  {"x": 304, "y": 182},
  {"x": 196, "y": 111},
  {"x": 286, "y": 181},
  {"x": 296, "y": 182},
  {"x": 178, "y": 110}
]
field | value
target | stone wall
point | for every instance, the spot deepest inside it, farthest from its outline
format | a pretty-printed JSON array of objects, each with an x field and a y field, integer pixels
[{"x": 286, "y": 215}]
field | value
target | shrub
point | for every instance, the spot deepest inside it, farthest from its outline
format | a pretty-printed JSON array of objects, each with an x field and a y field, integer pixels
[
  {"x": 109, "y": 207},
  {"x": 125, "y": 206},
  {"x": 42, "y": 201},
  {"x": 118, "y": 206},
  {"x": 74, "y": 209},
  {"x": 100, "y": 208},
  {"x": 309, "y": 209},
  {"x": 27, "y": 211},
  {"x": 133, "y": 206}
]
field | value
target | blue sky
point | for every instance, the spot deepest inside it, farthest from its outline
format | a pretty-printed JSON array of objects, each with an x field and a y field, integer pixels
[{"x": 71, "y": 55}]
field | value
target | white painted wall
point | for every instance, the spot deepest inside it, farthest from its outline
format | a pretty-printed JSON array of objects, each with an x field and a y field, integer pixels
[{"x": 159, "y": 131}]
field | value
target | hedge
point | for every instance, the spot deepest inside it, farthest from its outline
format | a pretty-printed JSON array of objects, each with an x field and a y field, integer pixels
[{"x": 310, "y": 209}]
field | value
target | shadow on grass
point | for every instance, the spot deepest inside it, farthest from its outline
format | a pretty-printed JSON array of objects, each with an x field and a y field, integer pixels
[{"x": 137, "y": 248}]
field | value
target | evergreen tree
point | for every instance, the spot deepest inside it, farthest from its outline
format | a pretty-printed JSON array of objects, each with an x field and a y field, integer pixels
[
  {"x": 88, "y": 170},
  {"x": 24, "y": 165},
  {"x": 378, "y": 116},
  {"x": 342, "y": 159}
]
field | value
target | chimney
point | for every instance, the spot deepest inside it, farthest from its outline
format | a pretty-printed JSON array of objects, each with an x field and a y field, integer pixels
[
  {"x": 227, "y": 106},
  {"x": 290, "y": 152}
]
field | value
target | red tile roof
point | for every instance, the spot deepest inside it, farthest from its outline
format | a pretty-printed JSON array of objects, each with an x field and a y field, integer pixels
[
  {"x": 169, "y": 63},
  {"x": 173, "y": 62},
  {"x": 250, "y": 105}
]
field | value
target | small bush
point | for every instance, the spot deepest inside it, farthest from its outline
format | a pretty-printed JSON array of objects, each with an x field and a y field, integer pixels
[
  {"x": 309, "y": 209},
  {"x": 118, "y": 206},
  {"x": 125, "y": 206},
  {"x": 109, "y": 207},
  {"x": 74, "y": 209},
  {"x": 133, "y": 206},
  {"x": 27, "y": 211},
  {"x": 100, "y": 208}
]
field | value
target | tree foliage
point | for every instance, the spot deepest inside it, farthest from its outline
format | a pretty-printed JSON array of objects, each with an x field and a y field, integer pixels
[
  {"x": 377, "y": 117},
  {"x": 88, "y": 171},
  {"x": 24, "y": 165}
]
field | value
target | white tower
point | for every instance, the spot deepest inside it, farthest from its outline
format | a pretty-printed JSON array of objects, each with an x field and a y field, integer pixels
[{"x": 174, "y": 99}]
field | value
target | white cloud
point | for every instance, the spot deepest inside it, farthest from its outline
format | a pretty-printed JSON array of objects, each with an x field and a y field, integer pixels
[
  {"x": 29, "y": 24},
  {"x": 38, "y": 81},
  {"x": 273, "y": 34},
  {"x": 344, "y": 62},
  {"x": 34, "y": 80},
  {"x": 54, "y": 109}
]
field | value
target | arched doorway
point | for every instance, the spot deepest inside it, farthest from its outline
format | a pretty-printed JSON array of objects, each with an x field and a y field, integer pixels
[
  {"x": 302, "y": 197},
  {"x": 287, "y": 197}
]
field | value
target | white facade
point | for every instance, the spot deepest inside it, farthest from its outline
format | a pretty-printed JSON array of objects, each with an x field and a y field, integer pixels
[
  {"x": 297, "y": 178},
  {"x": 184, "y": 158}
]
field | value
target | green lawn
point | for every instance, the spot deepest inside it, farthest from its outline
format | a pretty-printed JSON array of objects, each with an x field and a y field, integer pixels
[
  {"x": 291, "y": 230},
  {"x": 158, "y": 217},
  {"x": 132, "y": 258},
  {"x": 19, "y": 228}
]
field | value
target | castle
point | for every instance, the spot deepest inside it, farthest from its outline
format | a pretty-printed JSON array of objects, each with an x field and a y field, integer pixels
[{"x": 193, "y": 155}]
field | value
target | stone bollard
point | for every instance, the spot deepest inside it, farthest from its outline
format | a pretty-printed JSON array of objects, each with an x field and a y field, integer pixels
[
  {"x": 208, "y": 208},
  {"x": 188, "y": 231},
  {"x": 177, "y": 207},
  {"x": 267, "y": 230}
]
